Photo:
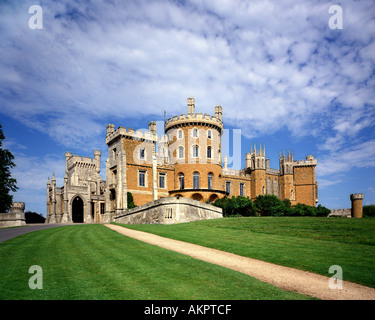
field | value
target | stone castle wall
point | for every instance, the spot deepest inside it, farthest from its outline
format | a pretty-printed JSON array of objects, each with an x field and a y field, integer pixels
[{"x": 169, "y": 211}]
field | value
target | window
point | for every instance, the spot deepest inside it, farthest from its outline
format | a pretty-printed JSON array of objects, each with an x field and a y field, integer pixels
[
  {"x": 210, "y": 180},
  {"x": 227, "y": 187},
  {"x": 263, "y": 190},
  {"x": 142, "y": 154},
  {"x": 291, "y": 194},
  {"x": 195, "y": 151},
  {"x": 180, "y": 152},
  {"x": 102, "y": 208},
  {"x": 162, "y": 180},
  {"x": 181, "y": 180},
  {"x": 209, "y": 134},
  {"x": 209, "y": 153},
  {"x": 195, "y": 132},
  {"x": 242, "y": 189},
  {"x": 196, "y": 180},
  {"x": 142, "y": 178},
  {"x": 180, "y": 134},
  {"x": 114, "y": 153}
]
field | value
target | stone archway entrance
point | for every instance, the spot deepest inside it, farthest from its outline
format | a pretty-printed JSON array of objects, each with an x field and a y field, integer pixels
[{"x": 77, "y": 210}]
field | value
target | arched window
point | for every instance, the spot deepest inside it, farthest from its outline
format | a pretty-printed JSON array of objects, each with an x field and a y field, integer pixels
[
  {"x": 209, "y": 152},
  {"x": 180, "y": 152},
  {"x": 195, "y": 151},
  {"x": 180, "y": 134},
  {"x": 209, "y": 134},
  {"x": 181, "y": 180},
  {"x": 210, "y": 180},
  {"x": 196, "y": 180},
  {"x": 195, "y": 133}
]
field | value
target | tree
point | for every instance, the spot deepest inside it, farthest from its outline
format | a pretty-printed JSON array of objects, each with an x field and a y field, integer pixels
[
  {"x": 130, "y": 200},
  {"x": 7, "y": 184},
  {"x": 270, "y": 205}
]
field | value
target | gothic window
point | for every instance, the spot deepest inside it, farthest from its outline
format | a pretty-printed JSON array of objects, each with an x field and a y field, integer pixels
[
  {"x": 209, "y": 152},
  {"x": 242, "y": 189},
  {"x": 142, "y": 178},
  {"x": 180, "y": 152},
  {"x": 181, "y": 180},
  {"x": 162, "y": 180},
  {"x": 196, "y": 180},
  {"x": 268, "y": 186},
  {"x": 210, "y": 180},
  {"x": 195, "y": 151},
  {"x": 227, "y": 187},
  {"x": 180, "y": 134}
]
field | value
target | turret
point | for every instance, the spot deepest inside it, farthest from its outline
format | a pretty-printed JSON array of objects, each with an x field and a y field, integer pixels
[
  {"x": 191, "y": 106},
  {"x": 97, "y": 155},
  {"x": 357, "y": 205},
  {"x": 286, "y": 163}
]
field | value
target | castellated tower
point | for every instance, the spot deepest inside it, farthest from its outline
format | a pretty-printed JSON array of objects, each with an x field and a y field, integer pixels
[
  {"x": 256, "y": 163},
  {"x": 287, "y": 188},
  {"x": 357, "y": 205}
]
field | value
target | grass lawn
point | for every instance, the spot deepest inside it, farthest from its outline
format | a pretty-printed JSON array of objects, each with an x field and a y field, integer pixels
[
  {"x": 307, "y": 243},
  {"x": 94, "y": 262}
]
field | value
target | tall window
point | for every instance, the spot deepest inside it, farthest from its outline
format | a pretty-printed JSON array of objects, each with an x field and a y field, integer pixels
[
  {"x": 209, "y": 134},
  {"x": 209, "y": 152},
  {"x": 242, "y": 189},
  {"x": 181, "y": 180},
  {"x": 227, "y": 187},
  {"x": 142, "y": 178},
  {"x": 142, "y": 154},
  {"x": 162, "y": 180},
  {"x": 195, "y": 151},
  {"x": 210, "y": 180},
  {"x": 196, "y": 180},
  {"x": 195, "y": 132},
  {"x": 180, "y": 152},
  {"x": 180, "y": 134}
]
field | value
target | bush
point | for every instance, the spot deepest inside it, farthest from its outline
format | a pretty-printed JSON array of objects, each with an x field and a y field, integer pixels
[
  {"x": 270, "y": 205},
  {"x": 322, "y": 211},
  {"x": 239, "y": 205},
  {"x": 301, "y": 210},
  {"x": 369, "y": 211},
  {"x": 130, "y": 200},
  {"x": 33, "y": 217}
]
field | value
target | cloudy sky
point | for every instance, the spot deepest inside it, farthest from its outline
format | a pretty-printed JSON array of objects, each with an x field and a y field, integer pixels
[{"x": 283, "y": 76}]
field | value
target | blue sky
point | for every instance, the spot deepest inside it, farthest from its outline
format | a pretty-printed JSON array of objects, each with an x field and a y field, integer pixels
[{"x": 282, "y": 75}]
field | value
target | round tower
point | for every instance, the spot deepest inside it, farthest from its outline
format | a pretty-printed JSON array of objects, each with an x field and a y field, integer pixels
[
  {"x": 194, "y": 148},
  {"x": 357, "y": 205}
]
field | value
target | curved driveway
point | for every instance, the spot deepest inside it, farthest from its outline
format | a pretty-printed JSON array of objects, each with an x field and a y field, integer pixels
[{"x": 9, "y": 233}]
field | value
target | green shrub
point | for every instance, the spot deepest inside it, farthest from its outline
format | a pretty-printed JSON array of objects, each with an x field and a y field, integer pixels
[
  {"x": 369, "y": 211},
  {"x": 239, "y": 205},
  {"x": 130, "y": 200},
  {"x": 270, "y": 205}
]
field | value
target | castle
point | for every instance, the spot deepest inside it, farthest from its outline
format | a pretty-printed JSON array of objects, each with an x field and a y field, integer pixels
[{"x": 184, "y": 162}]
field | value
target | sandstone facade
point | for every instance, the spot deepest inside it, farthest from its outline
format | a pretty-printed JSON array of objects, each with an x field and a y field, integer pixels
[{"x": 185, "y": 162}]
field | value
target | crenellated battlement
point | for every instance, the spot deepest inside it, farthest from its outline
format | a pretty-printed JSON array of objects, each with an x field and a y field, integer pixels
[
  {"x": 83, "y": 162},
  {"x": 310, "y": 161},
  {"x": 17, "y": 207},
  {"x": 129, "y": 133},
  {"x": 356, "y": 196},
  {"x": 196, "y": 118}
]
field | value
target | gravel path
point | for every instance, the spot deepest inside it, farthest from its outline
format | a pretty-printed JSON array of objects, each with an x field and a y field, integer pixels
[{"x": 290, "y": 279}]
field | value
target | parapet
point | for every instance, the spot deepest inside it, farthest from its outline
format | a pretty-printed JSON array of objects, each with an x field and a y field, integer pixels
[
  {"x": 310, "y": 161},
  {"x": 17, "y": 207},
  {"x": 130, "y": 133},
  {"x": 197, "y": 118},
  {"x": 356, "y": 196}
]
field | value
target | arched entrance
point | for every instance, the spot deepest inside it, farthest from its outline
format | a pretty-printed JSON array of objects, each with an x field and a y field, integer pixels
[
  {"x": 77, "y": 210},
  {"x": 213, "y": 197}
]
